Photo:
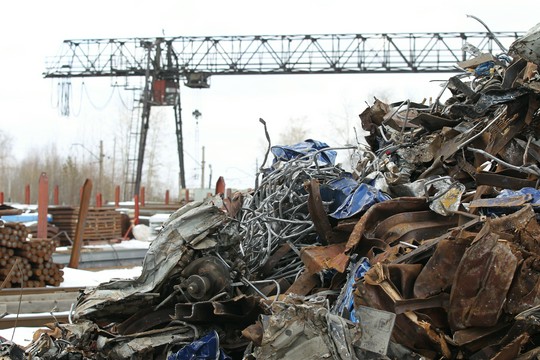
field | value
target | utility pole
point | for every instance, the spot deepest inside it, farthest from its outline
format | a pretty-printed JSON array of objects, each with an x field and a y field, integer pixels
[
  {"x": 99, "y": 159},
  {"x": 113, "y": 180},
  {"x": 101, "y": 156},
  {"x": 210, "y": 176},
  {"x": 202, "y": 169}
]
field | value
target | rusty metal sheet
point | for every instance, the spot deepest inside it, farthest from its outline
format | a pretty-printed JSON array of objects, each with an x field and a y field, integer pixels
[
  {"x": 384, "y": 227},
  {"x": 438, "y": 301},
  {"x": 516, "y": 223},
  {"x": 319, "y": 216},
  {"x": 433, "y": 122},
  {"x": 418, "y": 225},
  {"x": 403, "y": 276},
  {"x": 512, "y": 350},
  {"x": 502, "y": 137},
  {"x": 304, "y": 284},
  {"x": 254, "y": 333},
  {"x": 268, "y": 267},
  {"x": 346, "y": 225},
  {"x": 438, "y": 273},
  {"x": 503, "y": 181},
  {"x": 378, "y": 292},
  {"x": 318, "y": 258},
  {"x": 456, "y": 83},
  {"x": 512, "y": 72},
  {"x": 371, "y": 118},
  {"x": 239, "y": 311},
  {"x": 478, "y": 335},
  {"x": 525, "y": 291},
  {"x": 234, "y": 204},
  {"x": 381, "y": 211},
  {"x": 481, "y": 282}
]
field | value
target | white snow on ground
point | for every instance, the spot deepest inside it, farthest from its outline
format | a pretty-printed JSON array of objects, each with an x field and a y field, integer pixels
[
  {"x": 76, "y": 277},
  {"x": 130, "y": 244},
  {"x": 73, "y": 277}
]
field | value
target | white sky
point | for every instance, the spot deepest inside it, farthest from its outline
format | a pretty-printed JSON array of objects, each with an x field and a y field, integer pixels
[{"x": 228, "y": 128}]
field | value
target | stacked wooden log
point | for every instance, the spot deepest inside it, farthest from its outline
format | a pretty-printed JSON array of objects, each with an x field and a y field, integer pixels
[
  {"x": 26, "y": 262},
  {"x": 102, "y": 224}
]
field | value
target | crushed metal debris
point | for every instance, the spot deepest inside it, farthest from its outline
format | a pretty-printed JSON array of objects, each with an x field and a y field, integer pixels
[{"x": 430, "y": 248}]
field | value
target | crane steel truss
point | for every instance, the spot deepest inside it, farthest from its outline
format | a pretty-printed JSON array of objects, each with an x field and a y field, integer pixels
[{"x": 195, "y": 58}]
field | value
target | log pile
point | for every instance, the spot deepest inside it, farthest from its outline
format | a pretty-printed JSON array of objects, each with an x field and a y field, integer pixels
[
  {"x": 26, "y": 262},
  {"x": 101, "y": 223}
]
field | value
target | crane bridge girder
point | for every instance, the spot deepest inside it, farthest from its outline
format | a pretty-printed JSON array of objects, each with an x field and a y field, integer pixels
[{"x": 273, "y": 54}]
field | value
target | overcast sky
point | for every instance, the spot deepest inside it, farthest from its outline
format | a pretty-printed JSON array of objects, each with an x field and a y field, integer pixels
[{"x": 228, "y": 128}]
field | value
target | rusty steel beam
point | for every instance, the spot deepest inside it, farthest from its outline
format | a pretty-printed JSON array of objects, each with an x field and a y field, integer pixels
[
  {"x": 81, "y": 221},
  {"x": 117, "y": 196},
  {"x": 27, "y": 194},
  {"x": 137, "y": 209},
  {"x": 56, "y": 195},
  {"x": 142, "y": 196},
  {"x": 43, "y": 205}
]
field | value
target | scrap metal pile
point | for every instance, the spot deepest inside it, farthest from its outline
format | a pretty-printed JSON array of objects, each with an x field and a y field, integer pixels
[{"x": 429, "y": 249}]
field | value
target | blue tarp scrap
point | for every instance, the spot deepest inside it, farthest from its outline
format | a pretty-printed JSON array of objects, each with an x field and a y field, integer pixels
[
  {"x": 206, "y": 348},
  {"x": 524, "y": 191},
  {"x": 336, "y": 190},
  {"x": 531, "y": 196},
  {"x": 289, "y": 152},
  {"x": 484, "y": 69},
  {"x": 345, "y": 307},
  {"x": 361, "y": 199}
]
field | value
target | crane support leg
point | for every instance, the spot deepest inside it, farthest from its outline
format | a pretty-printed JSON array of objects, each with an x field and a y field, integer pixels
[
  {"x": 180, "y": 140},
  {"x": 145, "y": 124}
]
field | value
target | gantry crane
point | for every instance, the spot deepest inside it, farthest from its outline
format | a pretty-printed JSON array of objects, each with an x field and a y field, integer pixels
[{"x": 165, "y": 61}]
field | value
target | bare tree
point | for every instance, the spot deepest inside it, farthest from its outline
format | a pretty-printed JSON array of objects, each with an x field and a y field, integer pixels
[
  {"x": 6, "y": 142},
  {"x": 295, "y": 133}
]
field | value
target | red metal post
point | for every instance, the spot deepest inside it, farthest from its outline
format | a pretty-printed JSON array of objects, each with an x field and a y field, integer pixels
[
  {"x": 86, "y": 192},
  {"x": 136, "y": 207},
  {"x": 27, "y": 194},
  {"x": 99, "y": 200},
  {"x": 143, "y": 191},
  {"x": 117, "y": 196},
  {"x": 2, "y": 197},
  {"x": 187, "y": 195},
  {"x": 43, "y": 205},
  {"x": 56, "y": 195},
  {"x": 166, "y": 197},
  {"x": 220, "y": 186}
]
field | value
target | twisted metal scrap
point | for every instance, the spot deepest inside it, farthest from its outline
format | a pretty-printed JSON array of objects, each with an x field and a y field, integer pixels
[{"x": 278, "y": 214}]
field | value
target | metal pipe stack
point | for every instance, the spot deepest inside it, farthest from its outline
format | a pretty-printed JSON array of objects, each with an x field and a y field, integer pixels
[{"x": 26, "y": 262}]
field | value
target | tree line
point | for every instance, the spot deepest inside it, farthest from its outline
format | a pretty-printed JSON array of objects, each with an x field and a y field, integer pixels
[{"x": 69, "y": 173}]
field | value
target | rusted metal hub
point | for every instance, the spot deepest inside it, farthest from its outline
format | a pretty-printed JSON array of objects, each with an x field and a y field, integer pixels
[
  {"x": 198, "y": 286},
  {"x": 205, "y": 278}
]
